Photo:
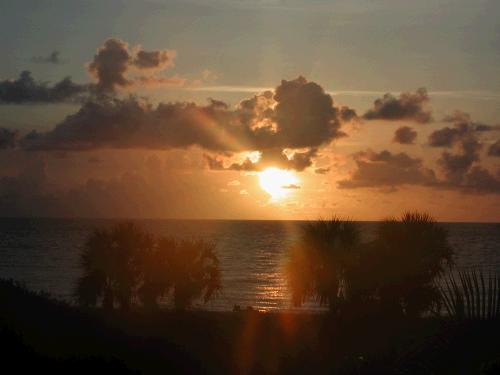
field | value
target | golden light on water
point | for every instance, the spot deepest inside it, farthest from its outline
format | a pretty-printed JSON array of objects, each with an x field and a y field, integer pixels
[{"x": 277, "y": 182}]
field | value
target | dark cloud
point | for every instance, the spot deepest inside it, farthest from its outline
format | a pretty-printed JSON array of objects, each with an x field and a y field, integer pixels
[
  {"x": 480, "y": 180},
  {"x": 446, "y": 137},
  {"x": 131, "y": 123},
  {"x": 298, "y": 161},
  {"x": 155, "y": 60},
  {"x": 463, "y": 137},
  {"x": 455, "y": 165},
  {"x": 460, "y": 169},
  {"x": 385, "y": 169},
  {"x": 298, "y": 116},
  {"x": 494, "y": 149},
  {"x": 110, "y": 65},
  {"x": 322, "y": 170},
  {"x": 409, "y": 106},
  {"x": 52, "y": 58},
  {"x": 464, "y": 120},
  {"x": 405, "y": 135},
  {"x": 8, "y": 138},
  {"x": 113, "y": 61},
  {"x": 25, "y": 90},
  {"x": 305, "y": 115}
]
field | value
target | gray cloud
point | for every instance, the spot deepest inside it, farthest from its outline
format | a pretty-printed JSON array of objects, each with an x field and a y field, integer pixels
[
  {"x": 297, "y": 115},
  {"x": 405, "y": 135},
  {"x": 114, "y": 60},
  {"x": 455, "y": 165},
  {"x": 298, "y": 161},
  {"x": 156, "y": 60},
  {"x": 463, "y": 137},
  {"x": 385, "y": 169},
  {"x": 52, "y": 58},
  {"x": 409, "y": 106},
  {"x": 25, "y": 90},
  {"x": 446, "y": 137},
  {"x": 131, "y": 123},
  {"x": 480, "y": 180}
]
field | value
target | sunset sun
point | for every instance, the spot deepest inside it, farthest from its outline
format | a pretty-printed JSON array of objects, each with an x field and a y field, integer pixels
[{"x": 277, "y": 182}]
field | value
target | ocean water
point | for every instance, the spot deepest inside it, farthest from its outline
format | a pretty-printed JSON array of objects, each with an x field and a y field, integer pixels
[{"x": 44, "y": 254}]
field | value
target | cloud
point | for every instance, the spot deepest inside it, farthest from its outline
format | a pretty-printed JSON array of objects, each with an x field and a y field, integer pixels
[
  {"x": 297, "y": 116},
  {"x": 405, "y": 135},
  {"x": 445, "y": 137},
  {"x": 290, "y": 186},
  {"x": 460, "y": 169},
  {"x": 131, "y": 123},
  {"x": 8, "y": 138},
  {"x": 494, "y": 149},
  {"x": 322, "y": 170},
  {"x": 463, "y": 137},
  {"x": 153, "y": 60},
  {"x": 385, "y": 169},
  {"x": 305, "y": 115},
  {"x": 110, "y": 65},
  {"x": 52, "y": 58},
  {"x": 455, "y": 165},
  {"x": 113, "y": 62},
  {"x": 480, "y": 180},
  {"x": 409, "y": 106},
  {"x": 298, "y": 161},
  {"x": 25, "y": 90},
  {"x": 463, "y": 127}
]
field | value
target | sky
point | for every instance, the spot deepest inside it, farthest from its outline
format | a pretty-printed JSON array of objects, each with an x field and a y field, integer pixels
[{"x": 277, "y": 109}]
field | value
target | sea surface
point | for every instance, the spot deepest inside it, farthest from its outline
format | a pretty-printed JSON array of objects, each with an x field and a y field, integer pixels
[{"x": 44, "y": 254}]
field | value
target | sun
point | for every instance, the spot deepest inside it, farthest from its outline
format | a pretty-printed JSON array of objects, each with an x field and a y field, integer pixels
[{"x": 277, "y": 182}]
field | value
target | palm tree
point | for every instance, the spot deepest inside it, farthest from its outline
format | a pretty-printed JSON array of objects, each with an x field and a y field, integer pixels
[
  {"x": 110, "y": 262},
  {"x": 319, "y": 260},
  {"x": 125, "y": 265},
  {"x": 403, "y": 261},
  {"x": 192, "y": 268}
]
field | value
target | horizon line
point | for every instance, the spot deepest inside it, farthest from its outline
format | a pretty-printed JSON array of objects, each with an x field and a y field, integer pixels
[{"x": 212, "y": 219}]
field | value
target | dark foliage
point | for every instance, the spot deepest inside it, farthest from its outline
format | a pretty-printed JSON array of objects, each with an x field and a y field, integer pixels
[
  {"x": 319, "y": 260},
  {"x": 125, "y": 266}
]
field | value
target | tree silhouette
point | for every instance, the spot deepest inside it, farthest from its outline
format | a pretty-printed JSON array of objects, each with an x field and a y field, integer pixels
[
  {"x": 125, "y": 265},
  {"x": 400, "y": 265},
  {"x": 192, "y": 267},
  {"x": 319, "y": 260},
  {"x": 110, "y": 262}
]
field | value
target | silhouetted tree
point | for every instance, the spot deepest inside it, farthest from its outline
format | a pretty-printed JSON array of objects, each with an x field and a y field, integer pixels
[
  {"x": 110, "y": 262},
  {"x": 399, "y": 267},
  {"x": 192, "y": 268},
  {"x": 319, "y": 260},
  {"x": 125, "y": 264}
]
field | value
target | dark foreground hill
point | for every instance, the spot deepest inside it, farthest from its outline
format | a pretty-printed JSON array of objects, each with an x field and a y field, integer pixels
[{"x": 39, "y": 333}]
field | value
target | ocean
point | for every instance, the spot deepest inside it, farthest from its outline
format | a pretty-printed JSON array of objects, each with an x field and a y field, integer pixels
[{"x": 44, "y": 254}]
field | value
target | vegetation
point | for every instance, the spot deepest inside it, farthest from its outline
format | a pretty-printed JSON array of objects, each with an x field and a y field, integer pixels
[
  {"x": 319, "y": 261},
  {"x": 37, "y": 333},
  {"x": 474, "y": 296},
  {"x": 125, "y": 265},
  {"x": 396, "y": 270},
  {"x": 398, "y": 274}
]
